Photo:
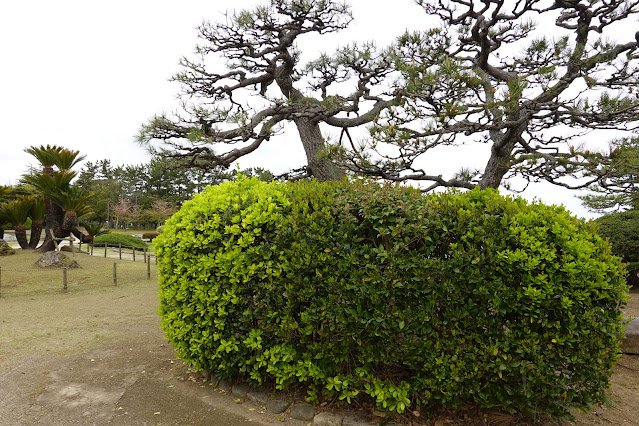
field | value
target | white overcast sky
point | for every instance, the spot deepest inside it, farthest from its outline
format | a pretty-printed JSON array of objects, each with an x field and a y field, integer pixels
[{"x": 85, "y": 75}]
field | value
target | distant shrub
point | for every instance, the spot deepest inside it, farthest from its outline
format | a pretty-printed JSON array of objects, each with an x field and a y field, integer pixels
[
  {"x": 622, "y": 230},
  {"x": 365, "y": 290},
  {"x": 114, "y": 240},
  {"x": 150, "y": 235}
]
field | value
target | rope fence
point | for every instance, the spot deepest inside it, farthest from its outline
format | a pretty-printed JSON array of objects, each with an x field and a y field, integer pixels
[
  {"x": 120, "y": 250},
  {"x": 92, "y": 273}
]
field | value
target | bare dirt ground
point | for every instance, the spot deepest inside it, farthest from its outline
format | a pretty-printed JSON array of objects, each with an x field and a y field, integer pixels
[{"x": 95, "y": 355}]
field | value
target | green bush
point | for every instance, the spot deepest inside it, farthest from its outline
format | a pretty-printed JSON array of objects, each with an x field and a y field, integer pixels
[
  {"x": 160, "y": 229},
  {"x": 362, "y": 290},
  {"x": 150, "y": 235},
  {"x": 114, "y": 240},
  {"x": 622, "y": 229}
]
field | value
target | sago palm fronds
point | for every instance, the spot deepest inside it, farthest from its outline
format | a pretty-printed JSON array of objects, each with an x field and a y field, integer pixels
[
  {"x": 50, "y": 185},
  {"x": 38, "y": 209},
  {"x": 94, "y": 228},
  {"x": 53, "y": 155},
  {"x": 18, "y": 210},
  {"x": 44, "y": 154},
  {"x": 66, "y": 159}
]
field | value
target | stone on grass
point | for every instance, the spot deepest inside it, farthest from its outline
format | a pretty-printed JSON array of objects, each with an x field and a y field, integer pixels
[
  {"x": 56, "y": 259},
  {"x": 277, "y": 406},
  {"x": 327, "y": 419},
  {"x": 303, "y": 412},
  {"x": 5, "y": 249},
  {"x": 630, "y": 345}
]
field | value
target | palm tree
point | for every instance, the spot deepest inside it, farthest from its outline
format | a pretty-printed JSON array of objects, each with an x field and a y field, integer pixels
[
  {"x": 17, "y": 212},
  {"x": 37, "y": 214},
  {"x": 63, "y": 203},
  {"x": 74, "y": 202}
]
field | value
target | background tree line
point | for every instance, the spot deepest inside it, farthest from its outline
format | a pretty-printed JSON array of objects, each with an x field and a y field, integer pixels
[
  {"x": 147, "y": 194},
  {"x": 142, "y": 195}
]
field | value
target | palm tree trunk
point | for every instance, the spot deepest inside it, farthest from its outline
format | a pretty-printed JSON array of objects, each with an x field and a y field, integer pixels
[
  {"x": 21, "y": 236},
  {"x": 36, "y": 233}
]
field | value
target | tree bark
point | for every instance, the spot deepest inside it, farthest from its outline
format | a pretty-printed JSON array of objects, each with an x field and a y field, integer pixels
[
  {"x": 36, "y": 233},
  {"x": 318, "y": 164},
  {"x": 21, "y": 236},
  {"x": 497, "y": 166}
]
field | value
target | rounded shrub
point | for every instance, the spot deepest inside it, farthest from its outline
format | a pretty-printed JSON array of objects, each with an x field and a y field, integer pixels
[
  {"x": 359, "y": 290},
  {"x": 115, "y": 239},
  {"x": 150, "y": 235}
]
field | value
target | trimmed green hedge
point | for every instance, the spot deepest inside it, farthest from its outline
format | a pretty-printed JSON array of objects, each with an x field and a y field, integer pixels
[
  {"x": 359, "y": 289},
  {"x": 151, "y": 235},
  {"x": 622, "y": 230},
  {"x": 114, "y": 240}
]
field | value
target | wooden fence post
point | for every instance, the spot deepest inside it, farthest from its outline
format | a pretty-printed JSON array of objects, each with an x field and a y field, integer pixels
[
  {"x": 105, "y": 246},
  {"x": 64, "y": 278},
  {"x": 0, "y": 281},
  {"x": 134, "y": 254},
  {"x": 120, "y": 250},
  {"x": 71, "y": 244},
  {"x": 148, "y": 268},
  {"x": 91, "y": 249},
  {"x": 115, "y": 274},
  {"x": 144, "y": 254}
]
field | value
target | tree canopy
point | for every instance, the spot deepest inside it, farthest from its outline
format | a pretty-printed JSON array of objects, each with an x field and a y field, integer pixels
[
  {"x": 260, "y": 47},
  {"x": 530, "y": 80},
  {"x": 498, "y": 73},
  {"x": 618, "y": 187}
]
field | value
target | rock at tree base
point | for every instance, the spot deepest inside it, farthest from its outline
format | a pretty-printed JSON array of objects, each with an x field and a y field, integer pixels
[
  {"x": 5, "y": 249},
  {"x": 56, "y": 259},
  {"x": 630, "y": 345}
]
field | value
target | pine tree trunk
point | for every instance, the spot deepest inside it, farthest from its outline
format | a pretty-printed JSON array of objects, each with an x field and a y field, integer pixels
[{"x": 314, "y": 146}]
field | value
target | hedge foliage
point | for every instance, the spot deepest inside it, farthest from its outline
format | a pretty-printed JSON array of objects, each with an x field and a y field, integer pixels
[
  {"x": 114, "y": 240},
  {"x": 358, "y": 289},
  {"x": 622, "y": 229}
]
